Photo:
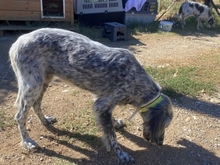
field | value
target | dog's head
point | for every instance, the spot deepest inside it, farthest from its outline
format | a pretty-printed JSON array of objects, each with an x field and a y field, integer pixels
[{"x": 156, "y": 118}]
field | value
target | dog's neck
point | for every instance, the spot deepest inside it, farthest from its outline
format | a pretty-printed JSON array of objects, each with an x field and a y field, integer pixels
[{"x": 151, "y": 103}]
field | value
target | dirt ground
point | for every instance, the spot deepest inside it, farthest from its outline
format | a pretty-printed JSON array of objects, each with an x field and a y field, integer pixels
[{"x": 193, "y": 137}]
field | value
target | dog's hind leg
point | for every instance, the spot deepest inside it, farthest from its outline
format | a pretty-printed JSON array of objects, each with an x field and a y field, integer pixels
[
  {"x": 46, "y": 120},
  {"x": 103, "y": 109},
  {"x": 31, "y": 88},
  {"x": 28, "y": 95},
  {"x": 200, "y": 23}
]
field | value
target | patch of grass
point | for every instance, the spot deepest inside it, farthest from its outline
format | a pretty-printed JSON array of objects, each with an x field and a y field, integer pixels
[
  {"x": 135, "y": 28},
  {"x": 180, "y": 81},
  {"x": 59, "y": 161},
  {"x": 2, "y": 119},
  {"x": 81, "y": 121},
  {"x": 5, "y": 121},
  {"x": 208, "y": 68},
  {"x": 76, "y": 92},
  {"x": 83, "y": 126},
  {"x": 95, "y": 33}
]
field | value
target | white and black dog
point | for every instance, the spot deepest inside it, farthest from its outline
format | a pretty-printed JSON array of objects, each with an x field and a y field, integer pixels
[
  {"x": 112, "y": 74},
  {"x": 200, "y": 11}
]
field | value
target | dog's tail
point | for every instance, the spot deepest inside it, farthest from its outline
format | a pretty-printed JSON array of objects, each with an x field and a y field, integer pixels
[{"x": 12, "y": 55}]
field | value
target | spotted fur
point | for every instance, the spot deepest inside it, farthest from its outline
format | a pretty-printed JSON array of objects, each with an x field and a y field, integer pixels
[
  {"x": 112, "y": 74},
  {"x": 200, "y": 11}
]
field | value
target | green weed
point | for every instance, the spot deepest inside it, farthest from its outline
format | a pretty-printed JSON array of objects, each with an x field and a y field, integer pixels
[
  {"x": 180, "y": 81},
  {"x": 2, "y": 119},
  {"x": 5, "y": 121},
  {"x": 82, "y": 125},
  {"x": 59, "y": 161}
]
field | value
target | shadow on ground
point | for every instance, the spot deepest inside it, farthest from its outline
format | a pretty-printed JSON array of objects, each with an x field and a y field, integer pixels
[
  {"x": 186, "y": 153},
  {"x": 199, "y": 106}
]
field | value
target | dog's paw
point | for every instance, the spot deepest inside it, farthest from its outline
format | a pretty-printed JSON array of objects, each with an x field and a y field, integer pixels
[
  {"x": 30, "y": 144},
  {"x": 125, "y": 158},
  {"x": 118, "y": 124},
  {"x": 50, "y": 120}
]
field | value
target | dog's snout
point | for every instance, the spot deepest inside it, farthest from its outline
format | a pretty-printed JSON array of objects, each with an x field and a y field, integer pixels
[{"x": 152, "y": 139}]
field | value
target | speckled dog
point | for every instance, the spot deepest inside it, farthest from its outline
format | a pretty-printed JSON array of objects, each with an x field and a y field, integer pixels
[
  {"x": 200, "y": 11},
  {"x": 112, "y": 74}
]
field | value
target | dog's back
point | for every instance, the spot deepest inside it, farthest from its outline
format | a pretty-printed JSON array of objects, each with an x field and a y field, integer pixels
[
  {"x": 187, "y": 8},
  {"x": 75, "y": 58},
  {"x": 194, "y": 8}
]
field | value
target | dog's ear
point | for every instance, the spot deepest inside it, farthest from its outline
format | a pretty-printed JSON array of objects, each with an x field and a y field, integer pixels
[{"x": 156, "y": 119}]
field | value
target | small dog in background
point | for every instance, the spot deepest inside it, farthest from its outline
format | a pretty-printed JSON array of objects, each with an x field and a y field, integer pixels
[{"x": 200, "y": 11}]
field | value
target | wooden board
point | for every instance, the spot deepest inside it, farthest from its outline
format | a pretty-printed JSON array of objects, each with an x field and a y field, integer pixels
[
  {"x": 20, "y": 5},
  {"x": 20, "y": 15},
  {"x": 11, "y": 27},
  {"x": 30, "y": 10}
]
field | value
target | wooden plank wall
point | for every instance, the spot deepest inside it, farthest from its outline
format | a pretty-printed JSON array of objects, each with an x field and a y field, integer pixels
[{"x": 30, "y": 10}]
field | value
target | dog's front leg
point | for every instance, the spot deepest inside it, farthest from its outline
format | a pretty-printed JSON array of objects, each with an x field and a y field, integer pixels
[
  {"x": 103, "y": 111},
  {"x": 183, "y": 23},
  {"x": 199, "y": 24}
]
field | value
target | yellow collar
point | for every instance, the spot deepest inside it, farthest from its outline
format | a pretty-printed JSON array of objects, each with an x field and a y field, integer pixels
[{"x": 151, "y": 104}]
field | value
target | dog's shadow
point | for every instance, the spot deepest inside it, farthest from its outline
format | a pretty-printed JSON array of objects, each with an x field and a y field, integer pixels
[
  {"x": 94, "y": 151},
  {"x": 185, "y": 151}
]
